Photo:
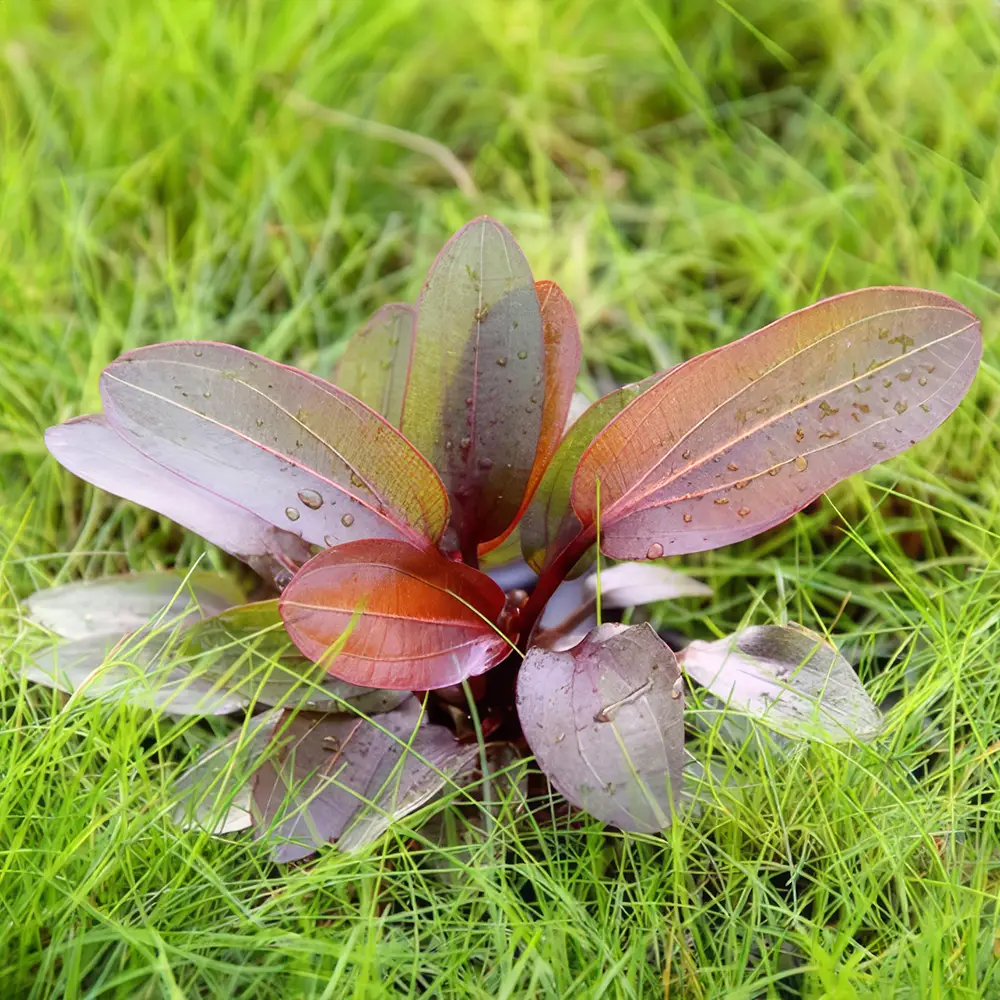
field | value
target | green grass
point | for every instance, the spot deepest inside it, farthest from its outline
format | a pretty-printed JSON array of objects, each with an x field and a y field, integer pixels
[{"x": 687, "y": 171}]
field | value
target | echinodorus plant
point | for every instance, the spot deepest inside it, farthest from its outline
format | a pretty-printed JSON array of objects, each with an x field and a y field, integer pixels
[{"x": 426, "y": 521}]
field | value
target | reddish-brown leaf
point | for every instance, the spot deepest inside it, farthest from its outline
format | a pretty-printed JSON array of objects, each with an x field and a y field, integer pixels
[
  {"x": 562, "y": 362},
  {"x": 387, "y": 614},
  {"x": 738, "y": 440}
]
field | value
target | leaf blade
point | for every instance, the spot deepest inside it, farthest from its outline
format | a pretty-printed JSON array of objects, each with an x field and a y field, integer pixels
[
  {"x": 296, "y": 451},
  {"x": 761, "y": 427},
  {"x": 478, "y": 355},
  {"x": 413, "y": 620}
]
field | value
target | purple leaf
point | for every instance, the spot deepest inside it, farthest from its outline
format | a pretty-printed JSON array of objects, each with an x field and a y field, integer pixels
[
  {"x": 297, "y": 452},
  {"x": 91, "y": 449},
  {"x": 333, "y": 772},
  {"x": 788, "y": 677},
  {"x": 605, "y": 721}
]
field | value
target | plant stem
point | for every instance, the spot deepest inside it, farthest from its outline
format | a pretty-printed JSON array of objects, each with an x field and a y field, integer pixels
[{"x": 551, "y": 578}]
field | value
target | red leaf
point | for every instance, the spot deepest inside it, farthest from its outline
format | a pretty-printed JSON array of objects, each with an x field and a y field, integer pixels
[
  {"x": 739, "y": 439},
  {"x": 562, "y": 362},
  {"x": 407, "y": 618}
]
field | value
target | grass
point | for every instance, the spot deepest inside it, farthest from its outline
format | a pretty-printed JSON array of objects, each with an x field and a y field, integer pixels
[{"x": 687, "y": 171}]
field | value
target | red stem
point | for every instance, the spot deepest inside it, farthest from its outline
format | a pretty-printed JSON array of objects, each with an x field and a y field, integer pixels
[{"x": 552, "y": 577}]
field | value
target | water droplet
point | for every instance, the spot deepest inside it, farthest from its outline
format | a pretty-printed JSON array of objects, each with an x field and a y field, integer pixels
[
  {"x": 801, "y": 463},
  {"x": 774, "y": 471},
  {"x": 901, "y": 407},
  {"x": 311, "y": 499},
  {"x": 206, "y": 395},
  {"x": 925, "y": 408},
  {"x": 522, "y": 354},
  {"x": 654, "y": 551},
  {"x": 742, "y": 484},
  {"x": 721, "y": 501},
  {"x": 685, "y": 455},
  {"x": 329, "y": 540},
  {"x": 921, "y": 381},
  {"x": 485, "y": 462},
  {"x": 291, "y": 513},
  {"x": 448, "y": 445},
  {"x": 743, "y": 511},
  {"x": 465, "y": 444},
  {"x": 260, "y": 423},
  {"x": 733, "y": 467},
  {"x": 347, "y": 520},
  {"x": 502, "y": 362},
  {"x": 197, "y": 354},
  {"x": 904, "y": 376},
  {"x": 887, "y": 383},
  {"x": 468, "y": 401},
  {"x": 799, "y": 434},
  {"x": 688, "y": 518},
  {"x": 393, "y": 340},
  {"x": 878, "y": 445}
]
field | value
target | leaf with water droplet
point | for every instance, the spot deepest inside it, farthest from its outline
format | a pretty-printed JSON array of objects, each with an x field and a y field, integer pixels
[
  {"x": 614, "y": 692},
  {"x": 748, "y": 400}
]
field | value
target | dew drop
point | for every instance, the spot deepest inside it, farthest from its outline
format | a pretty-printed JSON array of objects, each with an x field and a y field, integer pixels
[
  {"x": 878, "y": 445},
  {"x": 448, "y": 445},
  {"x": 742, "y": 484},
  {"x": 282, "y": 578},
  {"x": 743, "y": 511},
  {"x": 799, "y": 434},
  {"x": 465, "y": 444},
  {"x": 685, "y": 455},
  {"x": 654, "y": 551},
  {"x": 311, "y": 499},
  {"x": 197, "y": 354},
  {"x": 721, "y": 501},
  {"x": 801, "y": 463},
  {"x": 887, "y": 383},
  {"x": 921, "y": 381},
  {"x": 774, "y": 471},
  {"x": 485, "y": 462},
  {"x": 502, "y": 362},
  {"x": 901, "y": 407},
  {"x": 688, "y": 518},
  {"x": 522, "y": 354},
  {"x": 206, "y": 395},
  {"x": 260, "y": 423},
  {"x": 291, "y": 513},
  {"x": 733, "y": 467},
  {"x": 468, "y": 401},
  {"x": 329, "y": 541},
  {"x": 347, "y": 520}
]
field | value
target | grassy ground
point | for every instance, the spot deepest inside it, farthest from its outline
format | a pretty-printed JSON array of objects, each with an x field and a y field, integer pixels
[{"x": 687, "y": 171}]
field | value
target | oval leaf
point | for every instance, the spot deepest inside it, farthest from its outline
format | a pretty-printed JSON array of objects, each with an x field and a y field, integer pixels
[
  {"x": 115, "y": 605},
  {"x": 475, "y": 398},
  {"x": 562, "y": 363},
  {"x": 213, "y": 794},
  {"x": 606, "y": 722},
  {"x": 375, "y": 366},
  {"x": 92, "y": 450},
  {"x": 296, "y": 451},
  {"x": 739, "y": 439},
  {"x": 333, "y": 773},
  {"x": 385, "y": 614},
  {"x": 246, "y": 650},
  {"x": 790, "y": 678},
  {"x": 549, "y": 523}
]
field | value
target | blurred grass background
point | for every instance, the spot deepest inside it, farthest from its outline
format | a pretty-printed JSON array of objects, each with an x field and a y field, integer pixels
[{"x": 268, "y": 173}]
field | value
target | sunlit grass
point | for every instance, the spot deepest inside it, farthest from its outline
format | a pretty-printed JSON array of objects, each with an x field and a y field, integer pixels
[{"x": 687, "y": 172}]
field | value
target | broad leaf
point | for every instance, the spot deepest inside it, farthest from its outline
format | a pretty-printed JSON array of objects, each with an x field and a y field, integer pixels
[
  {"x": 605, "y": 721},
  {"x": 737, "y": 440},
  {"x": 213, "y": 794},
  {"x": 476, "y": 394},
  {"x": 549, "y": 523},
  {"x": 247, "y": 650},
  {"x": 135, "y": 670},
  {"x": 571, "y": 612},
  {"x": 115, "y": 605},
  {"x": 296, "y": 451},
  {"x": 375, "y": 366},
  {"x": 334, "y": 772},
  {"x": 92, "y": 450},
  {"x": 790, "y": 678},
  {"x": 562, "y": 363},
  {"x": 385, "y": 614}
]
